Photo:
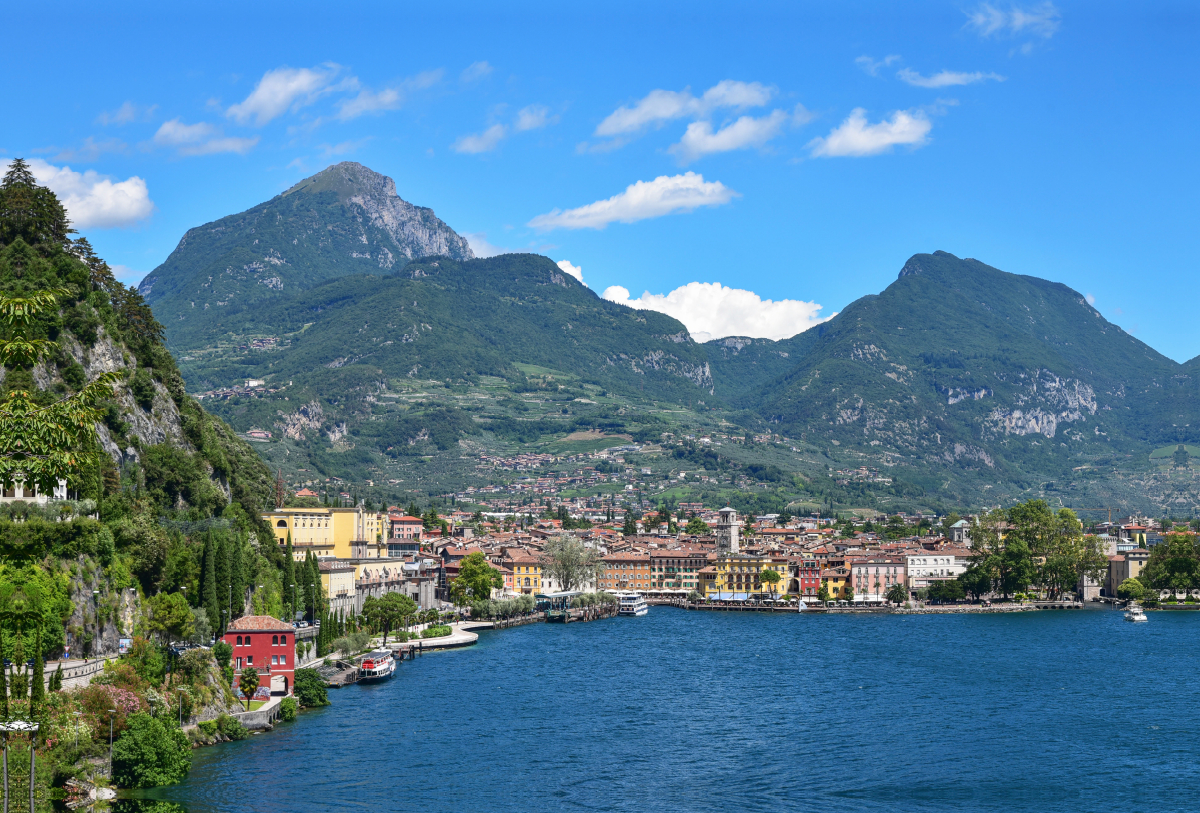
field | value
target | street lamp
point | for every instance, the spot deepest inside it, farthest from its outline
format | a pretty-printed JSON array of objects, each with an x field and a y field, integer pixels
[
  {"x": 77, "y": 714},
  {"x": 111, "y": 712}
]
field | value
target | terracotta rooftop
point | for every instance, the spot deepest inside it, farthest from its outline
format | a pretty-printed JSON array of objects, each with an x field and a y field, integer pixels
[{"x": 255, "y": 623}]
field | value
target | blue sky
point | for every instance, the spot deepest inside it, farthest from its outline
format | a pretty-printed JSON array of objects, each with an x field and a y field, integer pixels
[{"x": 798, "y": 151}]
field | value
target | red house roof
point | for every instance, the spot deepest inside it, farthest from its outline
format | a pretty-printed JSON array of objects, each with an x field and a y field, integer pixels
[{"x": 258, "y": 623}]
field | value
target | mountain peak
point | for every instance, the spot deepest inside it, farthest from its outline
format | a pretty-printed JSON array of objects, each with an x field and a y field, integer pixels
[
  {"x": 925, "y": 263},
  {"x": 348, "y": 179}
]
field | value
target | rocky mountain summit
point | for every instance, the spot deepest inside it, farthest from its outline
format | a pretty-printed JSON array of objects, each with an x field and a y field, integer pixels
[{"x": 344, "y": 220}]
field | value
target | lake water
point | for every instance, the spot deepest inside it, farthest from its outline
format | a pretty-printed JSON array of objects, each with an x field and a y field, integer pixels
[{"x": 698, "y": 711}]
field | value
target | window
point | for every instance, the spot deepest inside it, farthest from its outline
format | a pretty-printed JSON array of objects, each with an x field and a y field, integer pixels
[
  {"x": 247, "y": 640},
  {"x": 283, "y": 660},
  {"x": 282, "y": 640},
  {"x": 274, "y": 660},
  {"x": 249, "y": 659},
  {"x": 239, "y": 640},
  {"x": 274, "y": 640}
]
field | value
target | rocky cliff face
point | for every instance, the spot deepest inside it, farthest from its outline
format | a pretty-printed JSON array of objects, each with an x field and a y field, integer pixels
[{"x": 416, "y": 231}]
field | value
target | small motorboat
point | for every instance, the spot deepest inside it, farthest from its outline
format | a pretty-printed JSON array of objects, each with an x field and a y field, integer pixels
[{"x": 1134, "y": 612}]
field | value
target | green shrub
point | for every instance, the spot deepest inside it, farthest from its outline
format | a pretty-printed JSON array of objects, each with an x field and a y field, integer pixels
[
  {"x": 288, "y": 708},
  {"x": 309, "y": 688},
  {"x": 142, "y": 388},
  {"x": 150, "y": 753},
  {"x": 209, "y": 727},
  {"x": 231, "y": 727},
  {"x": 438, "y": 631}
]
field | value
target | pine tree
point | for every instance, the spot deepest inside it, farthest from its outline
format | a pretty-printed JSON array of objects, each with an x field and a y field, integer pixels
[
  {"x": 289, "y": 578},
  {"x": 237, "y": 576},
  {"x": 208, "y": 589},
  {"x": 56, "y": 679}
]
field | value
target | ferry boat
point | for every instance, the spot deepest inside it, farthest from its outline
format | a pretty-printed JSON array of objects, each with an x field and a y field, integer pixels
[
  {"x": 1135, "y": 613},
  {"x": 377, "y": 665},
  {"x": 631, "y": 604}
]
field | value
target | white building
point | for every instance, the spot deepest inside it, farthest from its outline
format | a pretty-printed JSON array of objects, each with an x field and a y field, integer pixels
[{"x": 926, "y": 567}]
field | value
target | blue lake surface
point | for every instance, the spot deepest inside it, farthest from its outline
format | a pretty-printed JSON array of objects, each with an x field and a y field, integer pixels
[{"x": 701, "y": 711}]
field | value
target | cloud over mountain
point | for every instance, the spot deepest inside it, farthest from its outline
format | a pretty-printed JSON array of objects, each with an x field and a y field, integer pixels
[
  {"x": 711, "y": 310},
  {"x": 642, "y": 200}
]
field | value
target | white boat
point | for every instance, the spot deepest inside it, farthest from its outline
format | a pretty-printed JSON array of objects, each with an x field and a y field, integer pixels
[
  {"x": 1134, "y": 612},
  {"x": 377, "y": 665},
  {"x": 631, "y": 604}
]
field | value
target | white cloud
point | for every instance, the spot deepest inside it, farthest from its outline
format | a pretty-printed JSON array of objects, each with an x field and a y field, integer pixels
[
  {"x": 126, "y": 113},
  {"x": 700, "y": 140},
  {"x": 92, "y": 200},
  {"x": 1039, "y": 21},
  {"x": 855, "y": 137},
  {"x": 476, "y": 71},
  {"x": 480, "y": 246},
  {"x": 945, "y": 78},
  {"x": 645, "y": 199},
  {"x": 573, "y": 270},
  {"x": 533, "y": 117},
  {"x": 282, "y": 88},
  {"x": 659, "y": 106},
  {"x": 368, "y": 101},
  {"x": 872, "y": 66},
  {"x": 711, "y": 310},
  {"x": 199, "y": 139},
  {"x": 1091, "y": 300},
  {"x": 481, "y": 142}
]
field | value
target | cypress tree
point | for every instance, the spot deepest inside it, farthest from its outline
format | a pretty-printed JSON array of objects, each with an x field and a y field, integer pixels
[
  {"x": 38, "y": 692},
  {"x": 224, "y": 595},
  {"x": 237, "y": 575},
  {"x": 289, "y": 578},
  {"x": 209, "y": 589},
  {"x": 56, "y": 679}
]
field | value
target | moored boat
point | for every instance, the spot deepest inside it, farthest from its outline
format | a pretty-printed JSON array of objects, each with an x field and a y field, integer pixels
[
  {"x": 377, "y": 665},
  {"x": 631, "y": 604},
  {"x": 1135, "y": 613}
]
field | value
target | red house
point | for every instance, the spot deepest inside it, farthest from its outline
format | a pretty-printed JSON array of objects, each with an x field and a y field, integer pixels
[{"x": 267, "y": 644}]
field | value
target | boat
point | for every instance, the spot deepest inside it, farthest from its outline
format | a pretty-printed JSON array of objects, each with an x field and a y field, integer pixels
[
  {"x": 1134, "y": 612},
  {"x": 631, "y": 604},
  {"x": 377, "y": 665}
]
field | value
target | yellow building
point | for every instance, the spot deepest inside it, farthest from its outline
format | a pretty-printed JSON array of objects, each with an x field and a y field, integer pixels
[
  {"x": 527, "y": 571},
  {"x": 834, "y": 580},
  {"x": 337, "y": 580},
  {"x": 343, "y": 533},
  {"x": 740, "y": 574}
]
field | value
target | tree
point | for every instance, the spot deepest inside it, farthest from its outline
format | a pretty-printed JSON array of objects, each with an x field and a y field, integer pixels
[
  {"x": 309, "y": 688},
  {"x": 208, "y": 583},
  {"x": 896, "y": 527},
  {"x": 29, "y": 211},
  {"x": 1007, "y": 558},
  {"x": 223, "y": 654},
  {"x": 202, "y": 633},
  {"x": 42, "y": 444},
  {"x": 389, "y": 611},
  {"x": 237, "y": 576},
  {"x": 475, "y": 580},
  {"x": 696, "y": 527},
  {"x": 56, "y": 679},
  {"x": 571, "y": 563},
  {"x": 248, "y": 683},
  {"x": 771, "y": 578},
  {"x": 949, "y": 590},
  {"x": 823, "y": 594},
  {"x": 848, "y": 591},
  {"x": 897, "y": 593},
  {"x": 1173, "y": 565},
  {"x": 1130, "y": 590},
  {"x": 150, "y": 753},
  {"x": 976, "y": 580},
  {"x": 171, "y": 617},
  {"x": 630, "y": 526},
  {"x": 289, "y": 579}
]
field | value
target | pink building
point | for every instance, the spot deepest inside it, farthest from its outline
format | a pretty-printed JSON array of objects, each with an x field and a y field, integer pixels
[{"x": 871, "y": 577}]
